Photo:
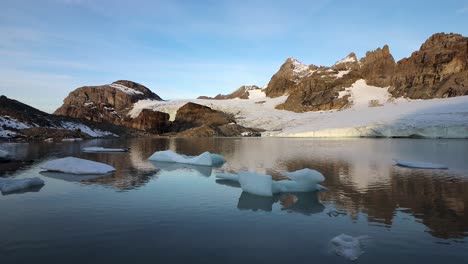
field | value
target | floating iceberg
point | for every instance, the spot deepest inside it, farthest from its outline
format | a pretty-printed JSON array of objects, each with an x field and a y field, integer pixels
[
  {"x": 347, "y": 246},
  {"x": 72, "y": 139},
  {"x": 204, "y": 159},
  {"x": 420, "y": 165},
  {"x": 101, "y": 149},
  {"x": 305, "y": 180},
  {"x": 15, "y": 185},
  {"x": 256, "y": 183},
  {"x": 77, "y": 166}
]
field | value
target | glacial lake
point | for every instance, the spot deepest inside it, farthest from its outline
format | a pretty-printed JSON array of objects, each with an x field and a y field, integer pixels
[{"x": 163, "y": 213}]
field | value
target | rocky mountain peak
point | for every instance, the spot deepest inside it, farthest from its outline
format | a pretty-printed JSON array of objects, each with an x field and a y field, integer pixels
[
  {"x": 378, "y": 67},
  {"x": 438, "y": 69},
  {"x": 110, "y": 103}
]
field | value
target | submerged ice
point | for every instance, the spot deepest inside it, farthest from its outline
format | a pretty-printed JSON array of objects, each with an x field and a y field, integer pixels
[
  {"x": 204, "y": 159},
  {"x": 77, "y": 166},
  {"x": 15, "y": 185},
  {"x": 305, "y": 180},
  {"x": 347, "y": 246}
]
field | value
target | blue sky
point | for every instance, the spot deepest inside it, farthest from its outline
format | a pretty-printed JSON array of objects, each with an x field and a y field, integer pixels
[{"x": 183, "y": 49}]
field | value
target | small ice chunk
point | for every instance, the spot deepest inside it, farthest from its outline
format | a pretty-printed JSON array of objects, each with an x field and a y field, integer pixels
[
  {"x": 204, "y": 159},
  {"x": 420, "y": 165},
  {"x": 256, "y": 183},
  {"x": 71, "y": 139},
  {"x": 14, "y": 185},
  {"x": 347, "y": 246},
  {"x": 101, "y": 149},
  {"x": 77, "y": 166}
]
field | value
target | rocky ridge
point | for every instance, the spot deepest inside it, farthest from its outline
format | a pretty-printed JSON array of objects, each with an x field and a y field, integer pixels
[
  {"x": 438, "y": 69},
  {"x": 241, "y": 93},
  {"x": 111, "y": 103},
  {"x": 18, "y": 120}
]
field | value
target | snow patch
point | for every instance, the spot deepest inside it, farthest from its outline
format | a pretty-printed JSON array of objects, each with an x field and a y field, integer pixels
[
  {"x": 125, "y": 89},
  {"x": 348, "y": 59},
  {"x": 87, "y": 130},
  {"x": 77, "y": 166}
]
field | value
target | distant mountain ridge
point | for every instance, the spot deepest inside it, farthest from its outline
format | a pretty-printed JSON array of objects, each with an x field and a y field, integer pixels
[
  {"x": 438, "y": 69},
  {"x": 18, "y": 120},
  {"x": 242, "y": 92}
]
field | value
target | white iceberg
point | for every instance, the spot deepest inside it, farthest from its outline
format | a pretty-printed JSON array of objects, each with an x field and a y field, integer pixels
[
  {"x": 204, "y": 159},
  {"x": 420, "y": 165},
  {"x": 256, "y": 183},
  {"x": 77, "y": 166},
  {"x": 72, "y": 139},
  {"x": 305, "y": 180},
  {"x": 101, "y": 149},
  {"x": 14, "y": 185},
  {"x": 347, "y": 246}
]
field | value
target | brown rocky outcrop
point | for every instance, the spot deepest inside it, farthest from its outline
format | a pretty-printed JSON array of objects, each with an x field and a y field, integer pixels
[
  {"x": 378, "y": 67},
  {"x": 438, "y": 69},
  {"x": 290, "y": 73},
  {"x": 111, "y": 103},
  {"x": 150, "y": 121},
  {"x": 193, "y": 115},
  {"x": 241, "y": 93}
]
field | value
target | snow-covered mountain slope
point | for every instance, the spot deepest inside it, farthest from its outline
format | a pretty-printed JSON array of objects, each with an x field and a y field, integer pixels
[{"x": 372, "y": 113}]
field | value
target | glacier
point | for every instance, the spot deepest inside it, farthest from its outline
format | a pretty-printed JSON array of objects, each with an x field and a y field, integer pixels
[{"x": 392, "y": 117}]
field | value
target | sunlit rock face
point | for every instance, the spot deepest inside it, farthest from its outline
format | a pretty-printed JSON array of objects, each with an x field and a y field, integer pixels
[
  {"x": 112, "y": 103},
  {"x": 438, "y": 69}
]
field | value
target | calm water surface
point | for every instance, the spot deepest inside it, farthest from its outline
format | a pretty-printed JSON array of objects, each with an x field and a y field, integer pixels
[{"x": 158, "y": 213}]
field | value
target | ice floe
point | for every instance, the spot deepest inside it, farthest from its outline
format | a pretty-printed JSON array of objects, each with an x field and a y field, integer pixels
[
  {"x": 101, "y": 149},
  {"x": 77, "y": 166},
  {"x": 204, "y": 159},
  {"x": 72, "y": 139},
  {"x": 305, "y": 180},
  {"x": 420, "y": 165},
  {"x": 14, "y": 185},
  {"x": 347, "y": 246}
]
